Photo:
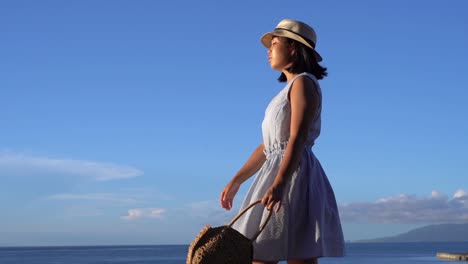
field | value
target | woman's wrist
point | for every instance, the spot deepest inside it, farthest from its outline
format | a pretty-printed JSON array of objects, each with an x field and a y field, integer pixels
[
  {"x": 279, "y": 182},
  {"x": 236, "y": 180}
]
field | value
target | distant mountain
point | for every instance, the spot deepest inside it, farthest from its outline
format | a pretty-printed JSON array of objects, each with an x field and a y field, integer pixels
[{"x": 431, "y": 233}]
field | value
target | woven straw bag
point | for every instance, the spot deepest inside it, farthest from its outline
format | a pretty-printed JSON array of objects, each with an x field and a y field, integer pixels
[{"x": 223, "y": 244}]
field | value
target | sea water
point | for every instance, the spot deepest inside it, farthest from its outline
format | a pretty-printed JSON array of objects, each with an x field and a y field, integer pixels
[{"x": 356, "y": 253}]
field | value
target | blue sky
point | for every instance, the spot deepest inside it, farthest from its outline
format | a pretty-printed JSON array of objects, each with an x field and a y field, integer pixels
[{"x": 121, "y": 121}]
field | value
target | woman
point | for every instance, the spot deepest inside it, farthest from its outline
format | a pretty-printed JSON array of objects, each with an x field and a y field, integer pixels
[{"x": 290, "y": 179}]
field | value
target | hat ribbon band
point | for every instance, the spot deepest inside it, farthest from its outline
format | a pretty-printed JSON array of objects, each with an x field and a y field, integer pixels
[{"x": 306, "y": 39}]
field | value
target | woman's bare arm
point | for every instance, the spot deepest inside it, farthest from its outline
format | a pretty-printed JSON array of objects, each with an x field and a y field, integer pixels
[
  {"x": 304, "y": 103},
  {"x": 251, "y": 166}
]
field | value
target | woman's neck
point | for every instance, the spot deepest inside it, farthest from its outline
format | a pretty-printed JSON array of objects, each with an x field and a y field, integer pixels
[{"x": 289, "y": 76}]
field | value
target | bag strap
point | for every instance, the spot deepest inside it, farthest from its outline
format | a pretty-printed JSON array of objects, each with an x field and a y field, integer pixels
[{"x": 262, "y": 226}]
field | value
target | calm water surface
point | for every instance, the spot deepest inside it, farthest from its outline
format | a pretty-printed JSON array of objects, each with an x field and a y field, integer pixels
[{"x": 357, "y": 253}]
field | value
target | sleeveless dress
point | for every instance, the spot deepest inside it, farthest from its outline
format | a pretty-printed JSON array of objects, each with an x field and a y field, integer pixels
[{"x": 308, "y": 224}]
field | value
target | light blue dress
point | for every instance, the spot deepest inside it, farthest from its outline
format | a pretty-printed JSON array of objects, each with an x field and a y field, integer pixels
[{"x": 308, "y": 224}]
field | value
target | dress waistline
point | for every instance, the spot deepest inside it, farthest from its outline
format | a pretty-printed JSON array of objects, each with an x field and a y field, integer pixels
[
  {"x": 274, "y": 149},
  {"x": 279, "y": 148}
]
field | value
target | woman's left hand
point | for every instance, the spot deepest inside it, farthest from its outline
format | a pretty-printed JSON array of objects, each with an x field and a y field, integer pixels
[{"x": 273, "y": 197}]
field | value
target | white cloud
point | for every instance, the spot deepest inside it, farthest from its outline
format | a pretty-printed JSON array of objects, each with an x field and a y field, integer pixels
[
  {"x": 138, "y": 213},
  {"x": 199, "y": 212},
  {"x": 460, "y": 194},
  {"x": 13, "y": 163},
  {"x": 406, "y": 209}
]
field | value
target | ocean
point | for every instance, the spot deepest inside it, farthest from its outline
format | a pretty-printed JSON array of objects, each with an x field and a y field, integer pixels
[{"x": 357, "y": 253}]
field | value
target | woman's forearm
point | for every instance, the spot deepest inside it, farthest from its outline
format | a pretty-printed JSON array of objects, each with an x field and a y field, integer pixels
[
  {"x": 251, "y": 166},
  {"x": 291, "y": 159}
]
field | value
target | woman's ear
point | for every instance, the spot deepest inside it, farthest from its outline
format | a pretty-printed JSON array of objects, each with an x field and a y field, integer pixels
[
  {"x": 292, "y": 48},
  {"x": 293, "y": 51}
]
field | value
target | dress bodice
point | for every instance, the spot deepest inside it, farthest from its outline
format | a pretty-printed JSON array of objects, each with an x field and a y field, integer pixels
[{"x": 277, "y": 120}]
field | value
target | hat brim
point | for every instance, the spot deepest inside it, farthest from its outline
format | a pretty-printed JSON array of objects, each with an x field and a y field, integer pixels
[{"x": 266, "y": 40}]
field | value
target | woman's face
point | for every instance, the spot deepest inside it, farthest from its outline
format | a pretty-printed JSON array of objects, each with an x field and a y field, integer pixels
[{"x": 279, "y": 54}]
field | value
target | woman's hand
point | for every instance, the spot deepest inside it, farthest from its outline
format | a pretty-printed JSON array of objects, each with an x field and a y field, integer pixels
[
  {"x": 228, "y": 193},
  {"x": 273, "y": 196}
]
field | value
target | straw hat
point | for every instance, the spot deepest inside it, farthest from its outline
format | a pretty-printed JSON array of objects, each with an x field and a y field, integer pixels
[{"x": 296, "y": 30}]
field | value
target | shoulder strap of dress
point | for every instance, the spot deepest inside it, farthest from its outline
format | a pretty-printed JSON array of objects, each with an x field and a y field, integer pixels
[
  {"x": 311, "y": 76},
  {"x": 317, "y": 88},
  {"x": 295, "y": 77}
]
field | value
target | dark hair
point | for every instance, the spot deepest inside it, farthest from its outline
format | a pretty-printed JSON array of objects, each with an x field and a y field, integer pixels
[{"x": 304, "y": 61}]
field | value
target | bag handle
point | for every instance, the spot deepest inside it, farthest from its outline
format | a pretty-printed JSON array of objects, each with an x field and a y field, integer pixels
[{"x": 262, "y": 226}]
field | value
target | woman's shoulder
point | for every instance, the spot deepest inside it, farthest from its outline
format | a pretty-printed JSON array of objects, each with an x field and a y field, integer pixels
[
  {"x": 310, "y": 76},
  {"x": 305, "y": 79},
  {"x": 305, "y": 83}
]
